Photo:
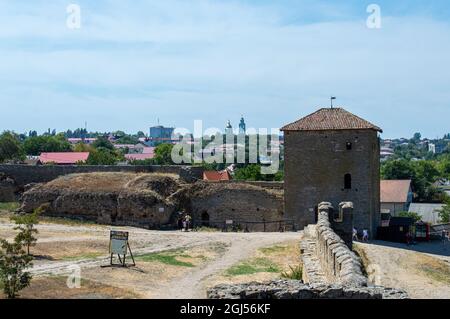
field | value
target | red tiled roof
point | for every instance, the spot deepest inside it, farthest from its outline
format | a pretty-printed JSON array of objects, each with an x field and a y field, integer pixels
[
  {"x": 64, "y": 158},
  {"x": 216, "y": 176},
  {"x": 139, "y": 157},
  {"x": 330, "y": 119},
  {"x": 394, "y": 191},
  {"x": 148, "y": 150}
]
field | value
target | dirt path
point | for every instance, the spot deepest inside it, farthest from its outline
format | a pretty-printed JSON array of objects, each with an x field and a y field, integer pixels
[
  {"x": 422, "y": 275},
  {"x": 194, "y": 284}
]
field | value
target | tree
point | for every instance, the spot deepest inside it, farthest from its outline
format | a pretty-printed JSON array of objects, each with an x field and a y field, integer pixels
[
  {"x": 10, "y": 147},
  {"x": 397, "y": 169},
  {"x": 25, "y": 225},
  {"x": 81, "y": 147},
  {"x": 103, "y": 156},
  {"x": 103, "y": 142},
  {"x": 163, "y": 154},
  {"x": 13, "y": 263},
  {"x": 444, "y": 213},
  {"x": 252, "y": 172},
  {"x": 417, "y": 137},
  {"x": 127, "y": 139},
  {"x": 41, "y": 144},
  {"x": 415, "y": 216}
]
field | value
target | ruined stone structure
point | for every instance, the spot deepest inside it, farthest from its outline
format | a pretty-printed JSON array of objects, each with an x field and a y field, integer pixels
[
  {"x": 28, "y": 174},
  {"x": 141, "y": 200},
  {"x": 248, "y": 206},
  {"x": 295, "y": 289},
  {"x": 332, "y": 155},
  {"x": 330, "y": 269},
  {"x": 153, "y": 201},
  {"x": 326, "y": 258},
  {"x": 8, "y": 189}
]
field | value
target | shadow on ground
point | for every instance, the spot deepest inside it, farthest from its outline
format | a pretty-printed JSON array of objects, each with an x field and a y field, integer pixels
[{"x": 435, "y": 247}]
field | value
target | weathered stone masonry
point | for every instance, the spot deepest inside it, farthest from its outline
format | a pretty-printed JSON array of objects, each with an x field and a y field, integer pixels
[
  {"x": 329, "y": 254},
  {"x": 330, "y": 269},
  {"x": 27, "y": 174}
]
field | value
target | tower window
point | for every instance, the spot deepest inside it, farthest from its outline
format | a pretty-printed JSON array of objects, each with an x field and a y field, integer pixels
[
  {"x": 348, "y": 181},
  {"x": 349, "y": 146}
]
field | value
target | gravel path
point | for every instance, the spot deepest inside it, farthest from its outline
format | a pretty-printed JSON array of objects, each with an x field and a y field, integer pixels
[{"x": 241, "y": 246}]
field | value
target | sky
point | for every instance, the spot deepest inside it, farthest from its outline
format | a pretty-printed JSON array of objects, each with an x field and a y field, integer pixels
[{"x": 133, "y": 62}]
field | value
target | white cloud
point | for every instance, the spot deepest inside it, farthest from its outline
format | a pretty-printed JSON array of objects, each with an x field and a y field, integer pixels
[{"x": 214, "y": 60}]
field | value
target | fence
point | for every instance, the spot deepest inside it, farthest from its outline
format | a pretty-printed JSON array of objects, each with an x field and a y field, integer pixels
[
  {"x": 247, "y": 226},
  {"x": 436, "y": 230}
]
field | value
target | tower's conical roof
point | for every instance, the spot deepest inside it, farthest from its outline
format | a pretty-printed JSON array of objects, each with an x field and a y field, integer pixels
[{"x": 331, "y": 119}]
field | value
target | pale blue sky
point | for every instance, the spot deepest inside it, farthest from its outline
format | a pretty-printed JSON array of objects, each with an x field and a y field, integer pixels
[{"x": 133, "y": 62}]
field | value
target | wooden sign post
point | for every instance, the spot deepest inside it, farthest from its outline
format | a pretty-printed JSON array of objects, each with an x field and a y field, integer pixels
[{"x": 119, "y": 245}]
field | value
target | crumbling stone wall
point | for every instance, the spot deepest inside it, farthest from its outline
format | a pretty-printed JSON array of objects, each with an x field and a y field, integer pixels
[
  {"x": 152, "y": 200},
  {"x": 295, "y": 289},
  {"x": 8, "y": 188},
  {"x": 248, "y": 206},
  {"x": 28, "y": 174},
  {"x": 107, "y": 198},
  {"x": 338, "y": 262}
]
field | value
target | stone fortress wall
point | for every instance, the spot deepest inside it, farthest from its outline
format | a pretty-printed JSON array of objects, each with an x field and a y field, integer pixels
[
  {"x": 326, "y": 257},
  {"x": 331, "y": 270},
  {"x": 29, "y": 174}
]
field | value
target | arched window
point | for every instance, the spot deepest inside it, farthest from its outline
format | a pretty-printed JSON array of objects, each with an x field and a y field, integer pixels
[{"x": 348, "y": 181}]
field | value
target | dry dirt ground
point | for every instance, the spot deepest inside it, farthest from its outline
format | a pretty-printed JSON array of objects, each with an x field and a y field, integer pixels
[
  {"x": 169, "y": 264},
  {"x": 422, "y": 270},
  {"x": 183, "y": 265}
]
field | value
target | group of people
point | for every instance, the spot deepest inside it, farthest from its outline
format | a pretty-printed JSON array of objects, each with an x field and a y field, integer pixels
[
  {"x": 184, "y": 221},
  {"x": 365, "y": 235}
]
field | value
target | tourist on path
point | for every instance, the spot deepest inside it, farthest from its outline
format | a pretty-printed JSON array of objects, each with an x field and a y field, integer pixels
[
  {"x": 365, "y": 235},
  {"x": 355, "y": 234}
]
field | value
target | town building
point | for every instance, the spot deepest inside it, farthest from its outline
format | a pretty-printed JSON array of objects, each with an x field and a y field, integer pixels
[
  {"x": 214, "y": 176},
  {"x": 395, "y": 196},
  {"x": 332, "y": 155},
  {"x": 160, "y": 134},
  {"x": 69, "y": 158},
  {"x": 429, "y": 213}
]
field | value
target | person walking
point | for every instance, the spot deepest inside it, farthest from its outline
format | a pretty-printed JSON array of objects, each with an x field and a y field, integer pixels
[
  {"x": 355, "y": 234},
  {"x": 187, "y": 220},
  {"x": 365, "y": 235}
]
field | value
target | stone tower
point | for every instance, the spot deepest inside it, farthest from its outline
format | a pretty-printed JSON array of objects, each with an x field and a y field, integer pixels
[{"x": 332, "y": 155}]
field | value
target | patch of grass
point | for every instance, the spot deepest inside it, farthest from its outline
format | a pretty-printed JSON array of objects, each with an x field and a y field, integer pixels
[
  {"x": 219, "y": 247},
  {"x": 83, "y": 256},
  {"x": 273, "y": 249},
  {"x": 296, "y": 273},
  {"x": 204, "y": 229},
  {"x": 168, "y": 258},
  {"x": 66, "y": 221},
  {"x": 9, "y": 207},
  {"x": 253, "y": 266},
  {"x": 436, "y": 269}
]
